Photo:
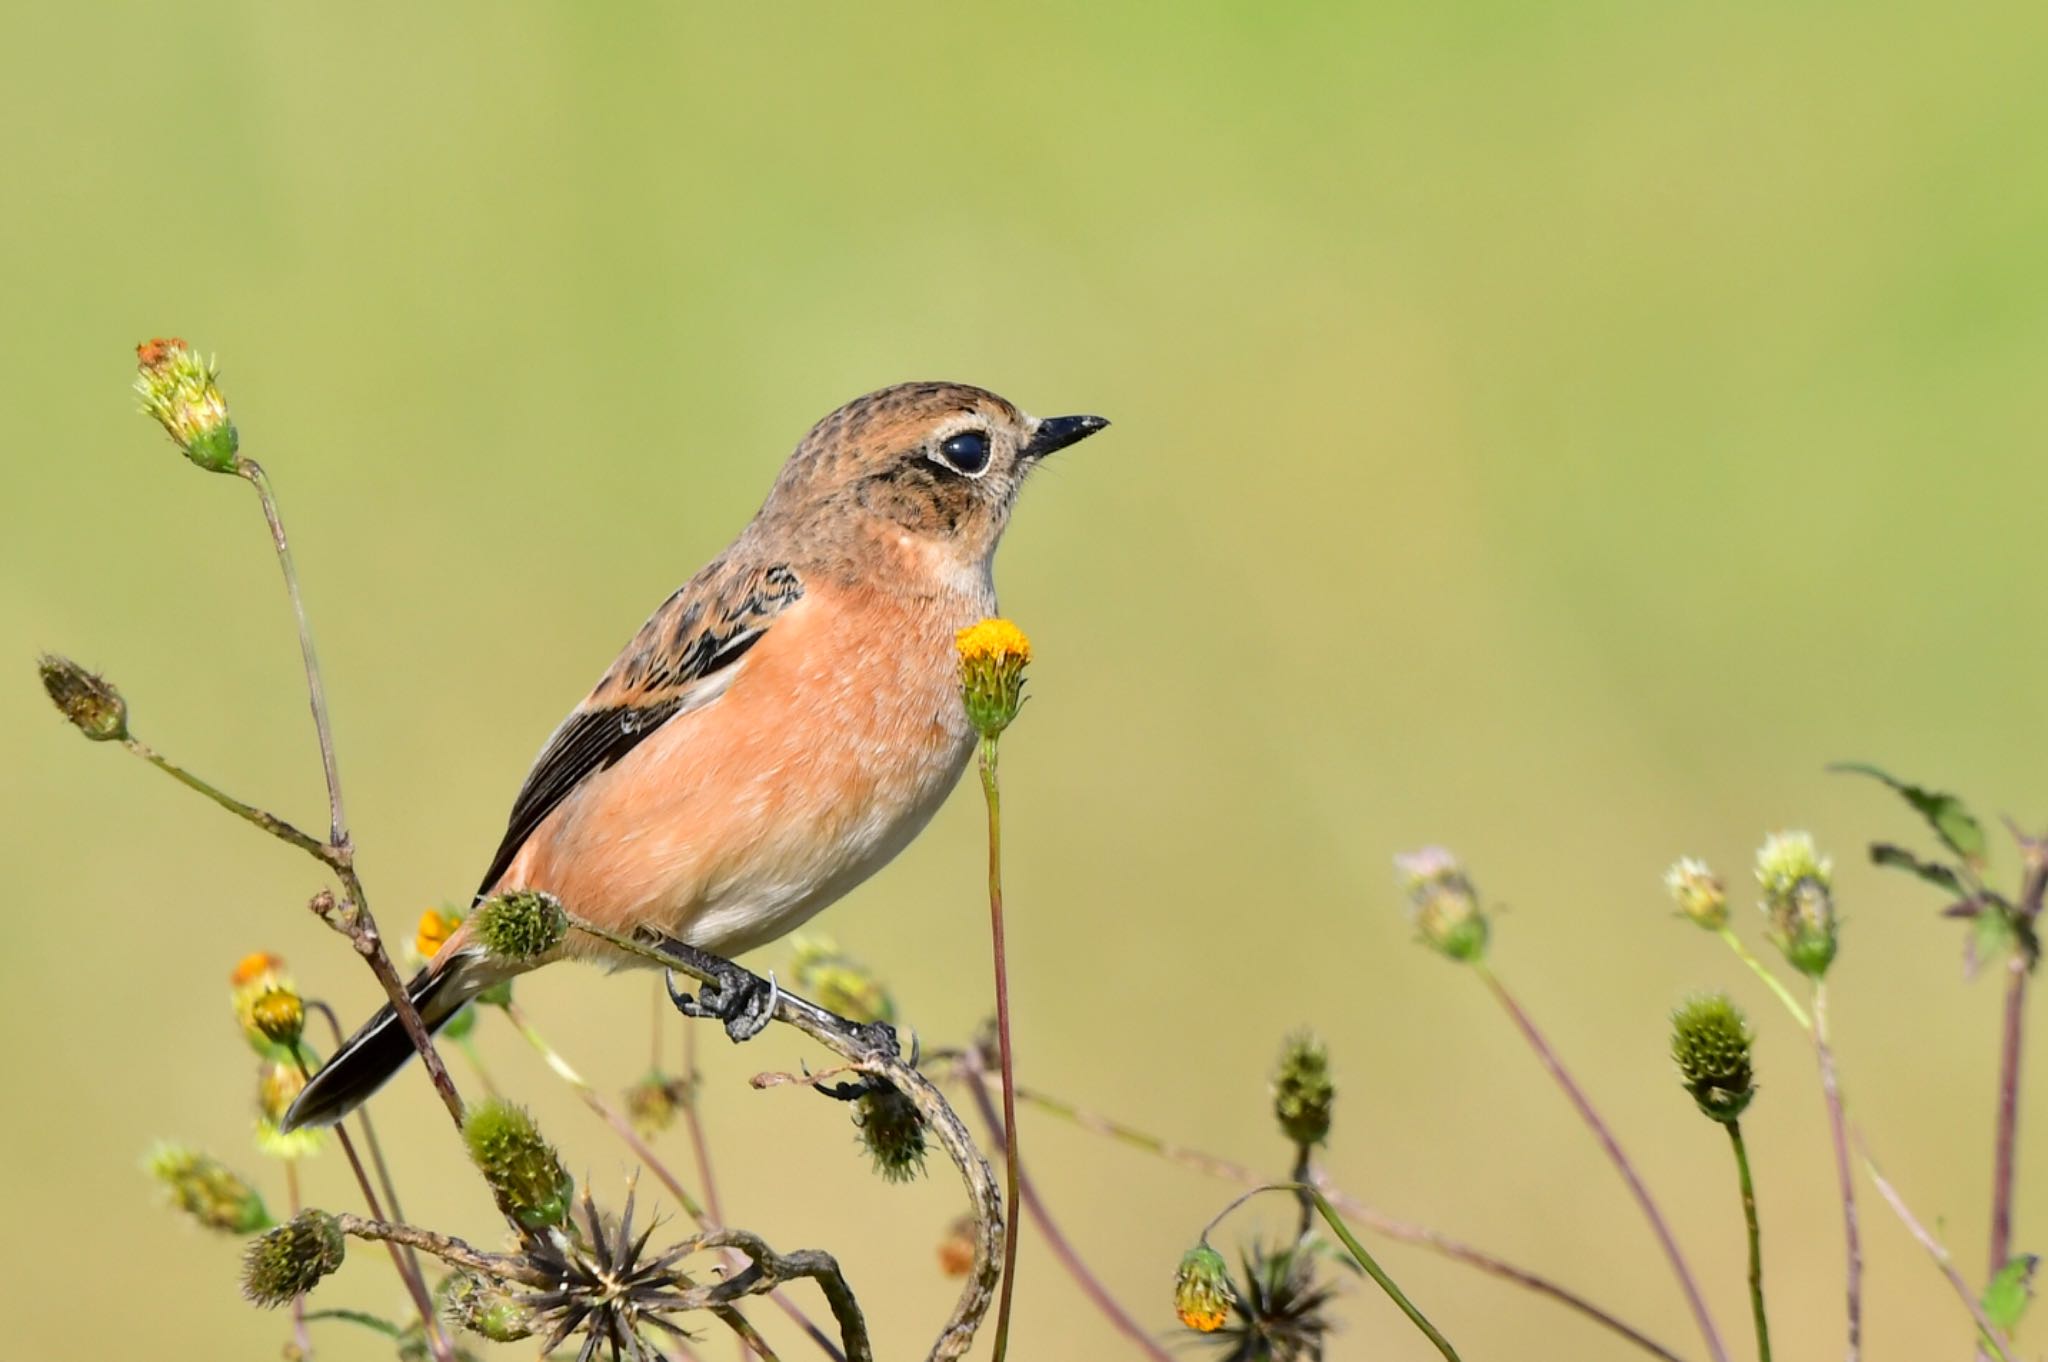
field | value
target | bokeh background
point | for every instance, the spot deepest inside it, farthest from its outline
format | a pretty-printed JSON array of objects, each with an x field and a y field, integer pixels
[{"x": 1554, "y": 431}]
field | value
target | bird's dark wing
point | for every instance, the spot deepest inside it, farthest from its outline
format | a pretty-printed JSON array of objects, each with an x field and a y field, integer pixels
[{"x": 671, "y": 666}]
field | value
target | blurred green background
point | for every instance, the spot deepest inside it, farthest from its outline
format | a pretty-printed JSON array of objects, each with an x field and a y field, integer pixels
[{"x": 1554, "y": 431}]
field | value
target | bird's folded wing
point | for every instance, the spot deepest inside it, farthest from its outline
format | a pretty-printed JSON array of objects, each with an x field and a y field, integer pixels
[{"x": 677, "y": 662}]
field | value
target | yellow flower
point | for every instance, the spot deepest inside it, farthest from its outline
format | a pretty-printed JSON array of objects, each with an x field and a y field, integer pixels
[
  {"x": 993, "y": 655},
  {"x": 435, "y": 928},
  {"x": 1202, "y": 1293},
  {"x": 256, "y": 979},
  {"x": 178, "y": 389}
]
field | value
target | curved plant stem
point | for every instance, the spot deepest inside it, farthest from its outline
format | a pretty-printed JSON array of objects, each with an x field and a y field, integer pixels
[
  {"x": 1762, "y": 971},
  {"x": 1615, "y": 1155},
  {"x": 992, "y": 795},
  {"x": 1365, "y": 1260},
  {"x": 1988, "y": 1334},
  {"x": 1838, "y": 1127},
  {"x": 1756, "y": 1253}
]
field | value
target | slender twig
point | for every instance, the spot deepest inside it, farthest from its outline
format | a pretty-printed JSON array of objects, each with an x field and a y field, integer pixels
[
  {"x": 2033, "y": 888},
  {"x": 1380, "y": 1223},
  {"x": 992, "y": 795},
  {"x": 1777, "y": 985},
  {"x": 359, "y": 1317},
  {"x": 1989, "y": 1334},
  {"x": 693, "y": 1123},
  {"x": 268, "y": 822},
  {"x": 1620, "y": 1160},
  {"x": 302, "y": 1338},
  {"x": 1838, "y": 1128},
  {"x": 1366, "y": 1262},
  {"x": 1756, "y": 1252},
  {"x": 1034, "y": 1206}
]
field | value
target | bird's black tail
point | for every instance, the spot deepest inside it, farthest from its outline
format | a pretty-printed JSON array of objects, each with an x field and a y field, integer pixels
[{"x": 380, "y": 1049}]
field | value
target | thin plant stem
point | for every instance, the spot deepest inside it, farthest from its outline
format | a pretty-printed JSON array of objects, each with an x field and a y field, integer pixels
[
  {"x": 1756, "y": 1252},
  {"x": 693, "y": 1123},
  {"x": 2033, "y": 889},
  {"x": 362, "y": 1318},
  {"x": 476, "y": 1065},
  {"x": 302, "y": 1338},
  {"x": 1380, "y": 1223},
  {"x": 1620, "y": 1160},
  {"x": 992, "y": 795},
  {"x": 1034, "y": 1205},
  {"x": 1838, "y": 1128},
  {"x": 1366, "y": 1262},
  {"x": 268, "y": 822},
  {"x": 1762, "y": 971},
  {"x": 1988, "y": 1333}
]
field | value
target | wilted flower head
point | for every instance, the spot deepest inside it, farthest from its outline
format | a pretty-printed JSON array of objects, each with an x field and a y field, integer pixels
[
  {"x": 1698, "y": 893},
  {"x": 654, "y": 1101},
  {"x": 1710, "y": 1044},
  {"x": 838, "y": 982},
  {"x": 892, "y": 1130},
  {"x": 291, "y": 1259},
  {"x": 1302, "y": 1091},
  {"x": 278, "y": 1085},
  {"x": 178, "y": 389},
  {"x": 1202, "y": 1291},
  {"x": 1442, "y": 903},
  {"x": 1281, "y": 1312},
  {"x": 523, "y": 1170},
  {"x": 86, "y": 698},
  {"x": 522, "y": 925},
  {"x": 993, "y": 655},
  {"x": 1798, "y": 899},
  {"x": 605, "y": 1285},
  {"x": 208, "y": 1190}
]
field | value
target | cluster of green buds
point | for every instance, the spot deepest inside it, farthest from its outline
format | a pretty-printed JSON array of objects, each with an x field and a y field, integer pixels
[
  {"x": 1710, "y": 1044},
  {"x": 487, "y": 1308},
  {"x": 1202, "y": 1292},
  {"x": 177, "y": 388},
  {"x": 892, "y": 1129},
  {"x": 292, "y": 1259},
  {"x": 1798, "y": 899},
  {"x": 1302, "y": 1090},
  {"x": 521, "y": 926},
  {"x": 208, "y": 1190},
  {"x": 1698, "y": 892},
  {"x": 1442, "y": 903},
  {"x": 993, "y": 655},
  {"x": 87, "y": 699},
  {"x": 523, "y": 1170},
  {"x": 838, "y": 982}
]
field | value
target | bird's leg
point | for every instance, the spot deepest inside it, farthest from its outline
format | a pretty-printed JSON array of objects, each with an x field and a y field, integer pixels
[{"x": 746, "y": 1002}]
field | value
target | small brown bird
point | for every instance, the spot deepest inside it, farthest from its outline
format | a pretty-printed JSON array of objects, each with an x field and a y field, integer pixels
[{"x": 777, "y": 731}]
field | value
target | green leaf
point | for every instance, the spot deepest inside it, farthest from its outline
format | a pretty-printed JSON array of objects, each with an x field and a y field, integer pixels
[
  {"x": 2006, "y": 1298},
  {"x": 1955, "y": 825},
  {"x": 1898, "y": 858}
]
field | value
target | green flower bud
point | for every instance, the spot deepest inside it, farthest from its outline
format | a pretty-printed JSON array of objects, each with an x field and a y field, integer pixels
[
  {"x": 291, "y": 1259},
  {"x": 1302, "y": 1090},
  {"x": 523, "y": 1170},
  {"x": 1202, "y": 1293},
  {"x": 520, "y": 926},
  {"x": 178, "y": 389},
  {"x": 1710, "y": 1044},
  {"x": 208, "y": 1190},
  {"x": 993, "y": 655},
  {"x": 87, "y": 699},
  {"x": 1442, "y": 903},
  {"x": 893, "y": 1131},
  {"x": 839, "y": 983},
  {"x": 1698, "y": 893},
  {"x": 483, "y": 1306},
  {"x": 1798, "y": 899}
]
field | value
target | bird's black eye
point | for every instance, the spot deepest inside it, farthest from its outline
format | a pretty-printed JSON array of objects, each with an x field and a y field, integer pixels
[{"x": 967, "y": 452}]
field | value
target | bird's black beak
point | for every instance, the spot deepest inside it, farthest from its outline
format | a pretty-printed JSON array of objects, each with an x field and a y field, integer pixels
[{"x": 1057, "y": 432}]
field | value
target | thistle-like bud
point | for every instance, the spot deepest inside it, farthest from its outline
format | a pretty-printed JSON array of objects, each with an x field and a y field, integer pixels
[
  {"x": 993, "y": 655},
  {"x": 654, "y": 1101},
  {"x": 523, "y": 1170},
  {"x": 208, "y": 1190},
  {"x": 291, "y": 1259},
  {"x": 893, "y": 1131},
  {"x": 1302, "y": 1090},
  {"x": 1698, "y": 893},
  {"x": 178, "y": 389},
  {"x": 1442, "y": 903},
  {"x": 279, "y": 1015},
  {"x": 838, "y": 982},
  {"x": 86, "y": 698},
  {"x": 1202, "y": 1293},
  {"x": 520, "y": 926},
  {"x": 1798, "y": 898},
  {"x": 483, "y": 1306},
  {"x": 258, "y": 977},
  {"x": 1710, "y": 1044}
]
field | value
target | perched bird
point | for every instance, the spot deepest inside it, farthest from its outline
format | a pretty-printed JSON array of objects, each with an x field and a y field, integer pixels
[{"x": 777, "y": 731}]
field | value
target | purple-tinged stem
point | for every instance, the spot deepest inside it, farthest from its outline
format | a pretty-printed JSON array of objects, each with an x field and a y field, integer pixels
[
  {"x": 2006, "y": 1140},
  {"x": 1838, "y": 1127}
]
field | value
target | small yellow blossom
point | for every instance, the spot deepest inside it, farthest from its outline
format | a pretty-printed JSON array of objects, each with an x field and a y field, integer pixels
[
  {"x": 993, "y": 655},
  {"x": 1202, "y": 1293},
  {"x": 178, "y": 389},
  {"x": 256, "y": 978},
  {"x": 436, "y": 926}
]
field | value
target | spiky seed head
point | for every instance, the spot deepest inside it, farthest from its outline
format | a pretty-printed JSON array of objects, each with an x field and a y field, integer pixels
[
  {"x": 1202, "y": 1291},
  {"x": 179, "y": 390},
  {"x": 1303, "y": 1091},
  {"x": 521, "y": 926},
  {"x": 85, "y": 698},
  {"x": 892, "y": 1130},
  {"x": 1442, "y": 903},
  {"x": 1710, "y": 1044},
  {"x": 993, "y": 655},
  {"x": 838, "y": 982},
  {"x": 1698, "y": 892},
  {"x": 1797, "y": 884},
  {"x": 208, "y": 1190},
  {"x": 475, "y": 1302},
  {"x": 524, "y": 1171},
  {"x": 291, "y": 1259}
]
